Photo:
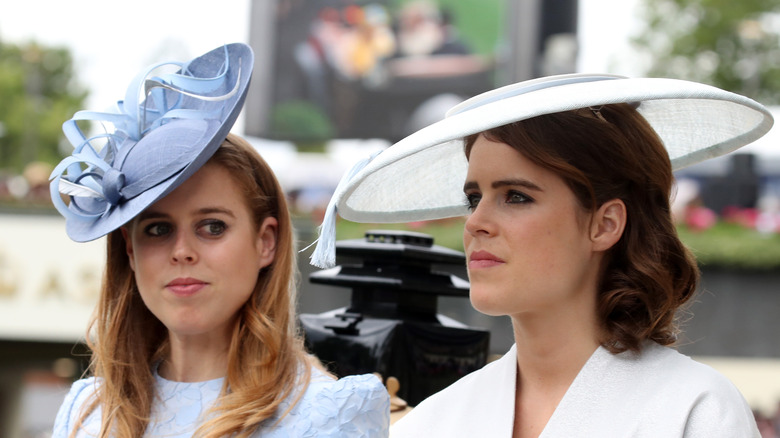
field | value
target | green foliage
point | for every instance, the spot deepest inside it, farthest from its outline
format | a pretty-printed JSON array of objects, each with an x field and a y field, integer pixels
[
  {"x": 302, "y": 122},
  {"x": 37, "y": 94},
  {"x": 734, "y": 45},
  {"x": 733, "y": 246}
]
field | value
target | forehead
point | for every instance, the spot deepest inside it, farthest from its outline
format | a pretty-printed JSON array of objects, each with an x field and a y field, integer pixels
[{"x": 495, "y": 160}]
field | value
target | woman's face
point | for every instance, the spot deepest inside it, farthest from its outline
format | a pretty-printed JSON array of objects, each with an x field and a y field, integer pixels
[
  {"x": 196, "y": 253},
  {"x": 526, "y": 240}
]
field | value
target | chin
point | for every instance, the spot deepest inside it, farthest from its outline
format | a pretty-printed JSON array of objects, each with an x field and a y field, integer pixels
[
  {"x": 483, "y": 303},
  {"x": 187, "y": 328}
]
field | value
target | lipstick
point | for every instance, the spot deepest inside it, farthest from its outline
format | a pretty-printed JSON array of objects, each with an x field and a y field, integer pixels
[
  {"x": 185, "y": 287},
  {"x": 483, "y": 259}
]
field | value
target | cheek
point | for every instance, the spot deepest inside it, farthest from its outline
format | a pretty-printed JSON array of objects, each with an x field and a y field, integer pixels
[
  {"x": 146, "y": 262},
  {"x": 141, "y": 257},
  {"x": 239, "y": 263}
]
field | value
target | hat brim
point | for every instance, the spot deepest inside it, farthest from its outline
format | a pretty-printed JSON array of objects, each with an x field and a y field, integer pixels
[
  {"x": 421, "y": 177},
  {"x": 192, "y": 142}
]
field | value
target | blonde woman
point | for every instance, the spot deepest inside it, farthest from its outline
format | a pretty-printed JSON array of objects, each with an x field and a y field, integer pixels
[{"x": 195, "y": 332}]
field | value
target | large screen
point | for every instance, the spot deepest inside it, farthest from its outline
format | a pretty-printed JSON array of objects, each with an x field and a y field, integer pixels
[{"x": 381, "y": 69}]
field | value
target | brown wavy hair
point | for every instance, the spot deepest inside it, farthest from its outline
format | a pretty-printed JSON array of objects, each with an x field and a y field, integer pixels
[
  {"x": 613, "y": 153},
  {"x": 266, "y": 359}
]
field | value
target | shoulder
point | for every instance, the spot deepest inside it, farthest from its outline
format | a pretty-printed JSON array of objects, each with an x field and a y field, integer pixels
[
  {"x": 80, "y": 393},
  {"x": 714, "y": 405},
  {"x": 680, "y": 369},
  {"x": 364, "y": 392},
  {"x": 356, "y": 406}
]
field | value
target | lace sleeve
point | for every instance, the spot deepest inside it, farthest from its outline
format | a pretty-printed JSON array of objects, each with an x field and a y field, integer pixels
[
  {"x": 71, "y": 406},
  {"x": 354, "y": 406}
]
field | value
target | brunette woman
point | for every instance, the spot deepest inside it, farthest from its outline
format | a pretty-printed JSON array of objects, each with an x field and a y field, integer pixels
[{"x": 566, "y": 183}]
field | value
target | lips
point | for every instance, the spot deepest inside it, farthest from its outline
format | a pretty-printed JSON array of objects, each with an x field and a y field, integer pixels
[
  {"x": 185, "y": 287},
  {"x": 483, "y": 259}
]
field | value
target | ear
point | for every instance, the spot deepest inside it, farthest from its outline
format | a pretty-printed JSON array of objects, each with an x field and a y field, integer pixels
[
  {"x": 608, "y": 224},
  {"x": 128, "y": 246},
  {"x": 266, "y": 242}
]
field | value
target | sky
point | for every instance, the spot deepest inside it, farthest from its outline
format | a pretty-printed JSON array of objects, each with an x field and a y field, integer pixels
[{"x": 112, "y": 40}]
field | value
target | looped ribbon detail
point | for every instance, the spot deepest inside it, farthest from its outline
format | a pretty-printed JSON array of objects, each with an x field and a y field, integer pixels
[
  {"x": 93, "y": 180},
  {"x": 112, "y": 183}
]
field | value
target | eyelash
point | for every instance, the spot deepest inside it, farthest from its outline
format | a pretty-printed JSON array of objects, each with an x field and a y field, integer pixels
[
  {"x": 211, "y": 222},
  {"x": 206, "y": 224},
  {"x": 525, "y": 199},
  {"x": 472, "y": 199},
  {"x": 148, "y": 230}
]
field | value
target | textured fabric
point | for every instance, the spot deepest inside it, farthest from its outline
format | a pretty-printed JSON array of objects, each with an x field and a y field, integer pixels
[
  {"x": 166, "y": 127},
  {"x": 354, "y": 406},
  {"x": 658, "y": 393}
]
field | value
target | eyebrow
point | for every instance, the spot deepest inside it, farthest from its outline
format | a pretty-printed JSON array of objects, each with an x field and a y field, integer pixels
[
  {"x": 471, "y": 185},
  {"x": 151, "y": 214}
]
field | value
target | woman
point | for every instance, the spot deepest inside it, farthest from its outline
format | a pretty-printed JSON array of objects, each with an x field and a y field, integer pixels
[
  {"x": 567, "y": 183},
  {"x": 195, "y": 332}
]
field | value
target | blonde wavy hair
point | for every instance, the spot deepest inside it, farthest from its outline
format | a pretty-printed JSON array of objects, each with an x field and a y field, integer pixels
[{"x": 267, "y": 362}]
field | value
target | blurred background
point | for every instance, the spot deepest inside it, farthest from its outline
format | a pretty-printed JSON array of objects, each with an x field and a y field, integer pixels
[{"x": 337, "y": 80}]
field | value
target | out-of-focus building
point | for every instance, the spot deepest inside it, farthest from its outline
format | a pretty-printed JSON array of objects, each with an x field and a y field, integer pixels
[{"x": 48, "y": 288}]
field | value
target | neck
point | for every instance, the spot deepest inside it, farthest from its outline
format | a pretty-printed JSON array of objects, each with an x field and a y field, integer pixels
[
  {"x": 551, "y": 350},
  {"x": 553, "y": 346},
  {"x": 195, "y": 358}
]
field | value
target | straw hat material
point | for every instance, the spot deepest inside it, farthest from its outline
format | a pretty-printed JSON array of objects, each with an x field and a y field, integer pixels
[
  {"x": 166, "y": 128},
  {"x": 421, "y": 177}
]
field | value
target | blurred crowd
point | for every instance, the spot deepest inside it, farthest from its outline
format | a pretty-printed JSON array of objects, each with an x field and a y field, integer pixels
[
  {"x": 733, "y": 198},
  {"x": 28, "y": 188},
  {"x": 354, "y": 40},
  {"x": 764, "y": 218}
]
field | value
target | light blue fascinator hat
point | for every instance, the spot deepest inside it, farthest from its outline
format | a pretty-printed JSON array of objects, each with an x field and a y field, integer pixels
[
  {"x": 173, "y": 118},
  {"x": 421, "y": 177}
]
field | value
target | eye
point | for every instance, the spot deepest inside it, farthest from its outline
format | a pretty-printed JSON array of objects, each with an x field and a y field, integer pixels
[
  {"x": 472, "y": 200},
  {"x": 213, "y": 227},
  {"x": 158, "y": 229},
  {"x": 515, "y": 197}
]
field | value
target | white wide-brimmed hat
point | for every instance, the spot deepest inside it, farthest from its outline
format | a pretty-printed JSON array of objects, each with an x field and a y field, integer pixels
[{"x": 421, "y": 177}]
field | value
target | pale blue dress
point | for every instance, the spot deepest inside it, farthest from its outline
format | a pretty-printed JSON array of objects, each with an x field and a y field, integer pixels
[{"x": 354, "y": 406}]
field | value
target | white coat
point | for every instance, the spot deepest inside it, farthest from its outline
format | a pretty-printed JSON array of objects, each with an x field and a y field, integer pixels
[{"x": 658, "y": 393}]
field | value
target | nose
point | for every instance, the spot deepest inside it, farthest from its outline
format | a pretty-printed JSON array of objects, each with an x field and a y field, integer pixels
[
  {"x": 183, "y": 250},
  {"x": 479, "y": 221}
]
